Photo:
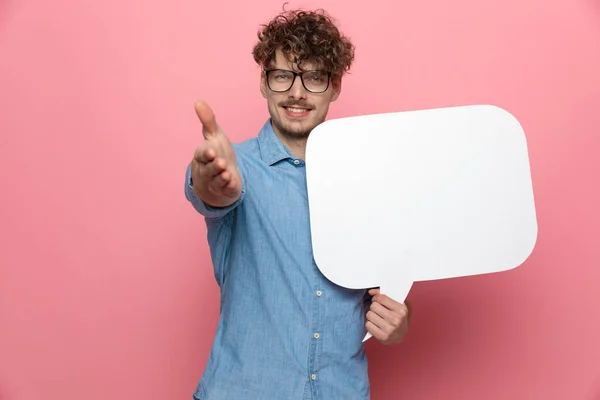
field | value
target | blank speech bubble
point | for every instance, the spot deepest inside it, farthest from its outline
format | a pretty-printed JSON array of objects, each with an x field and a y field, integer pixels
[{"x": 420, "y": 195}]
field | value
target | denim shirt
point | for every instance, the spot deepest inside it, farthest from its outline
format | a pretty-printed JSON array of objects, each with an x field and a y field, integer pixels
[{"x": 285, "y": 332}]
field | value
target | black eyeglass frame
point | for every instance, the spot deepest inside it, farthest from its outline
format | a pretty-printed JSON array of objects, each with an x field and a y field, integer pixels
[{"x": 301, "y": 74}]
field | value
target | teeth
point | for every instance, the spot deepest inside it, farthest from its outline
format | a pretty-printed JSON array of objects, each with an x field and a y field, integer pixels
[{"x": 297, "y": 110}]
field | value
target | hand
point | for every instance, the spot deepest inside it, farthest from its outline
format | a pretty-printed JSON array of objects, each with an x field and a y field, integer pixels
[
  {"x": 387, "y": 320},
  {"x": 215, "y": 175}
]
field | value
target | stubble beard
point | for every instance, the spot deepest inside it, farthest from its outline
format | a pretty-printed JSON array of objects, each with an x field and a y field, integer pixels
[
  {"x": 291, "y": 134},
  {"x": 293, "y": 130}
]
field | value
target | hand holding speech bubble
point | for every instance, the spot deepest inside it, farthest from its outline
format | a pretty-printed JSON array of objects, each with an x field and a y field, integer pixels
[{"x": 419, "y": 195}]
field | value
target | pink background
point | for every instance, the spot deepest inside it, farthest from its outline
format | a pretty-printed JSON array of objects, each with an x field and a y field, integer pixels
[{"x": 106, "y": 286}]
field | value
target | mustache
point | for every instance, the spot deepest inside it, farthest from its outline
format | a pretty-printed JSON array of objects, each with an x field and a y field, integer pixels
[{"x": 297, "y": 104}]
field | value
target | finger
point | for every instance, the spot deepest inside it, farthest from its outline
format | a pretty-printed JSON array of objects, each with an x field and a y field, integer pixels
[
  {"x": 374, "y": 291},
  {"x": 378, "y": 321},
  {"x": 215, "y": 167},
  {"x": 205, "y": 154},
  {"x": 207, "y": 118},
  {"x": 219, "y": 181},
  {"x": 382, "y": 312},
  {"x": 389, "y": 303},
  {"x": 212, "y": 174},
  {"x": 377, "y": 332},
  {"x": 231, "y": 188},
  {"x": 393, "y": 318}
]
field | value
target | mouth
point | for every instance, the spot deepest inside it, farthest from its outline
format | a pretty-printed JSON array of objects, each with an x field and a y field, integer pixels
[{"x": 296, "y": 111}]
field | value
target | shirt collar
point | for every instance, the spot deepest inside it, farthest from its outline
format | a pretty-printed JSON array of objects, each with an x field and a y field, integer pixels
[{"x": 272, "y": 150}]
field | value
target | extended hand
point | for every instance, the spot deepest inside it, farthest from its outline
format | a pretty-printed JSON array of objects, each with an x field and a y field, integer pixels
[
  {"x": 215, "y": 175},
  {"x": 387, "y": 320}
]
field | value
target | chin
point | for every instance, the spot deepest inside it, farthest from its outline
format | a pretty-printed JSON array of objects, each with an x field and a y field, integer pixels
[
  {"x": 294, "y": 130},
  {"x": 298, "y": 133}
]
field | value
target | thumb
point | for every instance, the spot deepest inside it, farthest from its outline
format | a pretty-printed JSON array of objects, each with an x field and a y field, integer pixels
[{"x": 207, "y": 118}]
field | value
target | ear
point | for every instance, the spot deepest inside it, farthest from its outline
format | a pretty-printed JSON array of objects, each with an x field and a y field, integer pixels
[
  {"x": 336, "y": 86},
  {"x": 263, "y": 85}
]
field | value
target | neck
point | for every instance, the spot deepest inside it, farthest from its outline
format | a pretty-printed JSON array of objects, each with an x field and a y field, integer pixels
[{"x": 296, "y": 146}]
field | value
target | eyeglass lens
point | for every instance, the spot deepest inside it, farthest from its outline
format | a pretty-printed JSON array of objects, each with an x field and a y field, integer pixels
[{"x": 282, "y": 80}]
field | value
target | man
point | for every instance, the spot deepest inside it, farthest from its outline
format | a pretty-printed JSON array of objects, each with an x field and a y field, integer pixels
[{"x": 285, "y": 331}]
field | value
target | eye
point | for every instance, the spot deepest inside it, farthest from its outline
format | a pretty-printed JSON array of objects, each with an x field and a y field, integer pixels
[{"x": 316, "y": 78}]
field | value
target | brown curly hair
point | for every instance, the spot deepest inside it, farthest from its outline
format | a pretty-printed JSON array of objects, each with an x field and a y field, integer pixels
[{"x": 307, "y": 36}]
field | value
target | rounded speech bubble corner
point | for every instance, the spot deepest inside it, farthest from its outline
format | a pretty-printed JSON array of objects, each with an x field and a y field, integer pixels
[{"x": 398, "y": 292}]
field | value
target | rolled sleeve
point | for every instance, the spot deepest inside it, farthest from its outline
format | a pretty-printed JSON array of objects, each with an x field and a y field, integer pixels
[{"x": 203, "y": 208}]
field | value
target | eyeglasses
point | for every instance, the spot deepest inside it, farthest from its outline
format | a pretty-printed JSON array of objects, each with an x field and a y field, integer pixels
[{"x": 281, "y": 80}]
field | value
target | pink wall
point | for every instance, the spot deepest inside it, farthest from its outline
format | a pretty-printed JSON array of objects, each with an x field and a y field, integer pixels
[{"x": 106, "y": 288}]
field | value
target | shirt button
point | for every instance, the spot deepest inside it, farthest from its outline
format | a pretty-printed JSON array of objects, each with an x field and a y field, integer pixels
[
  {"x": 316, "y": 335},
  {"x": 313, "y": 377},
  {"x": 319, "y": 293},
  {"x": 296, "y": 162}
]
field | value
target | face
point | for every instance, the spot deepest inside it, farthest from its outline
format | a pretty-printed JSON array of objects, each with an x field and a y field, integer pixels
[{"x": 296, "y": 112}]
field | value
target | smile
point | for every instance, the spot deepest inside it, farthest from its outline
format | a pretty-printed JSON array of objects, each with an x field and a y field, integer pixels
[{"x": 296, "y": 111}]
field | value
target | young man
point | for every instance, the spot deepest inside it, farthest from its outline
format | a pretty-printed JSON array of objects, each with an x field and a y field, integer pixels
[{"x": 285, "y": 331}]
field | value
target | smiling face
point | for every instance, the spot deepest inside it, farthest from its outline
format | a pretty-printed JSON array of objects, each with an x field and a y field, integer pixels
[{"x": 295, "y": 112}]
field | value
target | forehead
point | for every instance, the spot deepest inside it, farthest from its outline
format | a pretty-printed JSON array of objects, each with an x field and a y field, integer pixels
[{"x": 282, "y": 62}]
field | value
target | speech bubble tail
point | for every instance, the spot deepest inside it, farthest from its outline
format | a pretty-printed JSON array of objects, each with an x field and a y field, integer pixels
[{"x": 398, "y": 292}]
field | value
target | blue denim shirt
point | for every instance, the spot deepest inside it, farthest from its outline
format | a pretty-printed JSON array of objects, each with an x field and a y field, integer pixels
[{"x": 285, "y": 332}]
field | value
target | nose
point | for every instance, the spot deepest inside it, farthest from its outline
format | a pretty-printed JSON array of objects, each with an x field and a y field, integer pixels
[{"x": 297, "y": 91}]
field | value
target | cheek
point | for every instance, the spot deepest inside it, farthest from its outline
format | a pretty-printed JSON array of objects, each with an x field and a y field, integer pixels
[
  {"x": 273, "y": 100},
  {"x": 322, "y": 102},
  {"x": 322, "y": 107},
  {"x": 272, "y": 104}
]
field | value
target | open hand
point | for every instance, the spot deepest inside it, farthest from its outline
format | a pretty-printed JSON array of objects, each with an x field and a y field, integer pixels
[{"x": 215, "y": 175}]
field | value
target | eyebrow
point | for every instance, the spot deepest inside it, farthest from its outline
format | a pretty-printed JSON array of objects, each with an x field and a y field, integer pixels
[
  {"x": 297, "y": 71},
  {"x": 272, "y": 65}
]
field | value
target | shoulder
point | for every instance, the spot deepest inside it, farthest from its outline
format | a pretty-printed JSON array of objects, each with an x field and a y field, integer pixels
[
  {"x": 248, "y": 146},
  {"x": 251, "y": 150},
  {"x": 247, "y": 151}
]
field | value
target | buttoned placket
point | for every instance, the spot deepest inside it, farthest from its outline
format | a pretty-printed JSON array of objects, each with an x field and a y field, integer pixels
[{"x": 317, "y": 297}]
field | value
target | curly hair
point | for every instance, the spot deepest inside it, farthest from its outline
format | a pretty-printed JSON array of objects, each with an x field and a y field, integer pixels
[{"x": 305, "y": 36}]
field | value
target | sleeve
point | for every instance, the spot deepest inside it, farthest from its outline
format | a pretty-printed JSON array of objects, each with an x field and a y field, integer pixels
[{"x": 204, "y": 209}]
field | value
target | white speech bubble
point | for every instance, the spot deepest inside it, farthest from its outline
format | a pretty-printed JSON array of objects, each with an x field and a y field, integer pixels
[{"x": 420, "y": 195}]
